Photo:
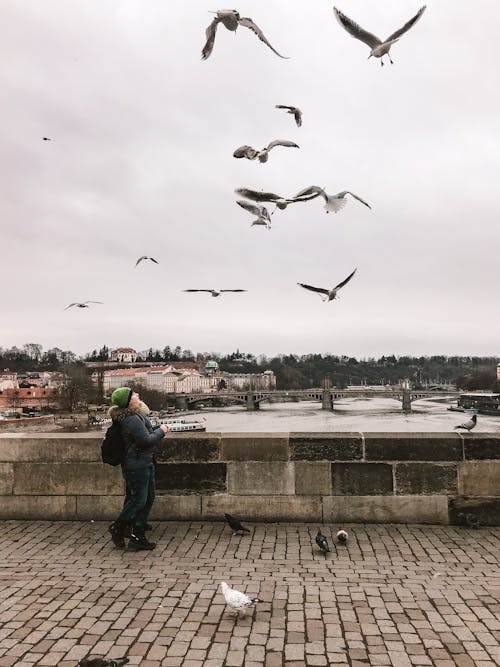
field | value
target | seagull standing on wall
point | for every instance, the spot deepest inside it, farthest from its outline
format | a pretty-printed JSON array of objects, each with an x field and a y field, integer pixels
[
  {"x": 329, "y": 294},
  {"x": 333, "y": 203},
  {"x": 378, "y": 47},
  {"x": 231, "y": 19}
]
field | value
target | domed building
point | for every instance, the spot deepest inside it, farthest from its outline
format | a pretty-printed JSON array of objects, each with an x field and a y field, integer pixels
[{"x": 211, "y": 367}]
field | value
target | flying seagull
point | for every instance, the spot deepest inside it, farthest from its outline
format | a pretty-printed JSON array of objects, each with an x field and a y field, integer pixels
[
  {"x": 263, "y": 155},
  {"x": 237, "y": 601},
  {"x": 146, "y": 257},
  {"x": 332, "y": 202},
  {"x": 322, "y": 542},
  {"x": 214, "y": 292},
  {"x": 231, "y": 19},
  {"x": 263, "y": 217},
  {"x": 46, "y": 139},
  {"x": 378, "y": 47},
  {"x": 295, "y": 111},
  {"x": 102, "y": 662},
  {"x": 281, "y": 202},
  {"x": 330, "y": 294},
  {"x": 341, "y": 536},
  {"x": 82, "y": 304},
  {"x": 468, "y": 425},
  {"x": 235, "y": 524}
]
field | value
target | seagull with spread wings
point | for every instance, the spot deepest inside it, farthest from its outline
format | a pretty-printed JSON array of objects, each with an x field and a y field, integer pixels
[
  {"x": 231, "y": 19},
  {"x": 281, "y": 202},
  {"x": 332, "y": 202},
  {"x": 263, "y": 217},
  {"x": 378, "y": 47},
  {"x": 81, "y": 304},
  {"x": 329, "y": 294},
  {"x": 141, "y": 259},
  {"x": 263, "y": 155},
  {"x": 295, "y": 111},
  {"x": 214, "y": 292}
]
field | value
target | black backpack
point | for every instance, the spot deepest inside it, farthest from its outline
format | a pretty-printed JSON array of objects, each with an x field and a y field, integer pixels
[{"x": 113, "y": 446}]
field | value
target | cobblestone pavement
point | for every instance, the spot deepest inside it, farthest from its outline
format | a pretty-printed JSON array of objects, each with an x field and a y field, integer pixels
[{"x": 396, "y": 595}]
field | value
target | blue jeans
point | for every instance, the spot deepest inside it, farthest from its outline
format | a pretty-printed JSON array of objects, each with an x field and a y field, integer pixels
[{"x": 140, "y": 495}]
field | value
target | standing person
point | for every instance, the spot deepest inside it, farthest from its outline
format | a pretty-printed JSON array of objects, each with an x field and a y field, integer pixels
[{"x": 139, "y": 439}]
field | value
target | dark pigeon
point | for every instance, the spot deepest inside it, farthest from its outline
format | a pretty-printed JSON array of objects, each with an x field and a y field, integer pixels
[
  {"x": 235, "y": 524},
  {"x": 322, "y": 542}
]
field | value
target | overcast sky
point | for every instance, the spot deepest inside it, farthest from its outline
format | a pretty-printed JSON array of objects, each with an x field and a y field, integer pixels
[{"x": 141, "y": 162}]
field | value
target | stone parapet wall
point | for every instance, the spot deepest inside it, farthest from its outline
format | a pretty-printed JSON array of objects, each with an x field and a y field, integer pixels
[{"x": 330, "y": 477}]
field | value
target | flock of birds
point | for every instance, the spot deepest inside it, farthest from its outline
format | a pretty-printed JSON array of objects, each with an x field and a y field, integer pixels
[{"x": 232, "y": 20}]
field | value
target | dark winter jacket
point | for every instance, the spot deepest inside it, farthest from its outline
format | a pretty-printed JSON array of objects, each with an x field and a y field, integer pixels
[{"x": 138, "y": 435}]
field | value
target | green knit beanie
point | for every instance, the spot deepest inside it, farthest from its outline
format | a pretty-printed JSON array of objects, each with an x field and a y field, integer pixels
[{"x": 121, "y": 396}]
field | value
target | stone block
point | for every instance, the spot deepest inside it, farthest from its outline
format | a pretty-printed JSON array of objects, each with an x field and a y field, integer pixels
[
  {"x": 479, "y": 478},
  {"x": 426, "y": 478},
  {"x": 481, "y": 446},
  {"x": 356, "y": 479},
  {"x": 38, "y": 508},
  {"x": 261, "y": 478},
  {"x": 254, "y": 447},
  {"x": 67, "y": 479},
  {"x": 413, "y": 447},
  {"x": 6, "y": 478},
  {"x": 385, "y": 509},
  {"x": 325, "y": 446},
  {"x": 195, "y": 447},
  {"x": 262, "y": 508},
  {"x": 186, "y": 478},
  {"x": 179, "y": 508},
  {"x": 313, "y": 478},
  {"x": 51, "y": 447},
  {"x": 487, "y": 510},
  {"x": 99, "y": 508}
]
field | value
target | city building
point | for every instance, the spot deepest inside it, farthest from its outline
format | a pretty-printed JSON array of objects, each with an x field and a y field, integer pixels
[
  {"x": 8, "y": 379},
  {"x": 124, "y": 354}
]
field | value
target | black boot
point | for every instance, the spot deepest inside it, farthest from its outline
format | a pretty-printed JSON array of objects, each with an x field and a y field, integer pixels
[
  {"x": 139, "y": 542},
  {"x": 119, "y": 530}
]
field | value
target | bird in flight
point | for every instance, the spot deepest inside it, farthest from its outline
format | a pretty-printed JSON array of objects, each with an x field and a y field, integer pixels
[
  {"x": 81, "y": 304},
  {"x": 214, "y": 292},
  {"x": 263, "y": 155},
  {"x": 281, "y": 202},
  {"x": 322, "y": 542},
  {"x": 329, "y": 294},
  {"x": 235, "y": 524},
  {"x": 468, "y": 425},
  {"x": 236, "y": 600},
  {"x": 231, "y": 19},
  {"x": 146, "y": 257},
  {"x": 378, "y": 47},
  {"x": 263, "y": 217},
  {"x": 295, "y": 111},
  {"x": 333, "y": 203},
  {"x": 46, "y": 139}
]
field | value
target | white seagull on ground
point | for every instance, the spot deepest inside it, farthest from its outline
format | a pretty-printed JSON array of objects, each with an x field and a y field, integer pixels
[
  {"x": 81, "y": 304},
  {"x": 329, "y": 294},
  {"x": 263, "y": 217},
  {"x": 231, "y": 19},
  {"x": 237, "y": 601},
  {"x": 263, "y": 155},
  {"x": 141, "y": 259},
  {"x": 214, "y": 292},
  {"x": 295, "y": 111},
  {"x": 378, "y": 47},
  {"x": 333, "y": 203}
]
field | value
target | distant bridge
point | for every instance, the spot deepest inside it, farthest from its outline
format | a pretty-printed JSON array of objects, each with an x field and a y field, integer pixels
[{"x": 253, "y": 398}]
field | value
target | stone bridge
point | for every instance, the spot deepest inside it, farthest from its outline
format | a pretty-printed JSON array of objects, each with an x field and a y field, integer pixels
[{"x": 253, "y": 398}]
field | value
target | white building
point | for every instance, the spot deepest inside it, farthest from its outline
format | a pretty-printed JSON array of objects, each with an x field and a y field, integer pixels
[
  {"x": 124, "y": 355},
  {"x": 8, "y": 380}
]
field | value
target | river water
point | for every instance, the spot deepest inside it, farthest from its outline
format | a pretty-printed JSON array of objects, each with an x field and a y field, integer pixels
[{"x": 350, "y": 414}]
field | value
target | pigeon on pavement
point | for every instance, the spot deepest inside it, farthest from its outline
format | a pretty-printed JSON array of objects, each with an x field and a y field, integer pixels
[
  {"x": 237, "y": 601},
  {"x": 322, "y": 542},
  {"x": 342, "y": 536},
  {"x": 103, "y": 662},
  {"x": 235, "y": 524}
]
